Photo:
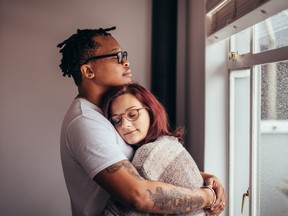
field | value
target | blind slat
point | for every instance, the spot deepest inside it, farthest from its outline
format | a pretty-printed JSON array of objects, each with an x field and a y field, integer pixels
[
  {"x": 232, "y": 11},
  {"x": 211, "y": 4}
]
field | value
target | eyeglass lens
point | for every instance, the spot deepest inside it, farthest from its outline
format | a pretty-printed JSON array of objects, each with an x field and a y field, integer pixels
[
  {"x": 130, "y": 115},
  {"x": 121, "y": 56}
]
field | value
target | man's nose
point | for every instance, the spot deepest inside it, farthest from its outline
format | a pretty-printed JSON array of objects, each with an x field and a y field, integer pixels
[{"x": 126, "y": 63}]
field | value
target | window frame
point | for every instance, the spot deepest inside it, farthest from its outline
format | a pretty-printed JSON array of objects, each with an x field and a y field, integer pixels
[{"x": 250, "y": 61}]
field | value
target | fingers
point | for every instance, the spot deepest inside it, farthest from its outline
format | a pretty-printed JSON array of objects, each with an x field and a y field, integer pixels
[
  {"x": 220, "y": 194},
  {"x": 216, "y": 210},
  {"x": 220, "y": 201},
  {"x": 209, "y": 182}
]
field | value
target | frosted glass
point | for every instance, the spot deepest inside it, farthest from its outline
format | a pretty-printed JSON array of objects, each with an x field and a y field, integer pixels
[
  {"x": 274, "y": 93},
  {"x": 272, "y": 32}
]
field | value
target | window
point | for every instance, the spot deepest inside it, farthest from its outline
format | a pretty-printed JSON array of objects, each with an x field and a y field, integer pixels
[{"x": 258, "y": 119}]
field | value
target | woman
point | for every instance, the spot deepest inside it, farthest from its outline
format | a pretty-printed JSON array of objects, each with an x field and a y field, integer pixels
[{"x": 142, "y": 122}]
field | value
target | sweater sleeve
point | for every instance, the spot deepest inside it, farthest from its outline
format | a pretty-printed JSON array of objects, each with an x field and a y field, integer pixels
[{"x": 164, "y": 160}]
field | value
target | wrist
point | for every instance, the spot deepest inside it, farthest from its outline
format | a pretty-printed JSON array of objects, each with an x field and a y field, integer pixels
[{"x": 211, "y": 192}]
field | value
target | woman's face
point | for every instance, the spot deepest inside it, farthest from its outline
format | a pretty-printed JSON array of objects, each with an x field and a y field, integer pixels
[{"x": 124, "y": 113}]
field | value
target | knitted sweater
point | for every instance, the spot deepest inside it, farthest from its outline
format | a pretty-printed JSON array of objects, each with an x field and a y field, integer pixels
[{"x": 164, "y": 160}]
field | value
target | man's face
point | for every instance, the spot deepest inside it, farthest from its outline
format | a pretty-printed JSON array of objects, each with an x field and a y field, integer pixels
[{"x": 108, "y": 72}]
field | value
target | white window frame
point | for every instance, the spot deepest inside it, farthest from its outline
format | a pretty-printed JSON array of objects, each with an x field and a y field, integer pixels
[
  {"x": 248, "y": 61},
  {"x": 213, "y": 43}
]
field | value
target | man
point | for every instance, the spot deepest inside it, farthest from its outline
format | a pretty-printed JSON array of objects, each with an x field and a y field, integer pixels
[{"x": 95, "y": 159}]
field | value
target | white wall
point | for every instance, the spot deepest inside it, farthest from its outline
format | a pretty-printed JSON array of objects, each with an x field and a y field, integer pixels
[
  {"x": 216, "y": 112},
  {"x": 34, "y": 95}
]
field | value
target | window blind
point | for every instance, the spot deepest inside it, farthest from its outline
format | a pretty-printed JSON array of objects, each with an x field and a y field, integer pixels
[
  {"x": 230, "y": 12},
  {"x": 212, "y": 4}
]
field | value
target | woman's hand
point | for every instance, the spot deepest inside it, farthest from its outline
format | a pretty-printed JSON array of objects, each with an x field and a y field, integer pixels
[{"x": 221, "y": 196}]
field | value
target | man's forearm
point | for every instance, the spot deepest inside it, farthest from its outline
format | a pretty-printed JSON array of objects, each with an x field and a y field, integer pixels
[
  {"x": 150, "y": 196},
  {"x": 168, "y": 199}
]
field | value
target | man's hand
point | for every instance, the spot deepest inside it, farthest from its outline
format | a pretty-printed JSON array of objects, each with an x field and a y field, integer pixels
[{"x": 221, "y": 196}]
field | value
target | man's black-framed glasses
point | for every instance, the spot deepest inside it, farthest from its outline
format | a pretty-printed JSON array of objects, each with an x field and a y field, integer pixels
[
  {"x": 121, "y": 55},
  {"x": 130, "y": 114}
]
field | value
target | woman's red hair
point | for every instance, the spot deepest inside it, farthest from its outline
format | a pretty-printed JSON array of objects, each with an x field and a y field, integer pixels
[{"x": 159, "y": 124}]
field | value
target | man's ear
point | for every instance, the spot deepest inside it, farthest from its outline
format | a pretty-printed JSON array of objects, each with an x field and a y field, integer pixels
[{"x": 87, "y": 71}]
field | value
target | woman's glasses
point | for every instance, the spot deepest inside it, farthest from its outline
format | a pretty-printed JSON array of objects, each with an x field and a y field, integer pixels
[
  {"x": 121, "y": 55},
  {"x": 130, "y": 115}
]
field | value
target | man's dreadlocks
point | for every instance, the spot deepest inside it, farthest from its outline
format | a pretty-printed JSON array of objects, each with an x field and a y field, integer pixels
[{"x": 77, "y": 48}]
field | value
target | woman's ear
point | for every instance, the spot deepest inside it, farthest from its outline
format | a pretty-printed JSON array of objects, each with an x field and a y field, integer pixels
[{"x": 87, "y": 71}]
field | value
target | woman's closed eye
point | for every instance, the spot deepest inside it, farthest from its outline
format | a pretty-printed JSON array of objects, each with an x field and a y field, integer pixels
[
  {"x": 116, "y": 120},
  {"x": 132, "y": 114}
]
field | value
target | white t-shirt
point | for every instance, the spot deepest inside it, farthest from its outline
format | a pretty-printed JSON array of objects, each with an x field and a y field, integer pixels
[{"x": 89, "y": 144}]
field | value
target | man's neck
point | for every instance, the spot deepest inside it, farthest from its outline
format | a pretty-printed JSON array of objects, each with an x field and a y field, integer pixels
[{"x": 93, "y": 95}]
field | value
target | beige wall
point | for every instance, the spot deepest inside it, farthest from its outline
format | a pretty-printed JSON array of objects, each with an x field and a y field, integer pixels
[{"x": 34, "y": 95}]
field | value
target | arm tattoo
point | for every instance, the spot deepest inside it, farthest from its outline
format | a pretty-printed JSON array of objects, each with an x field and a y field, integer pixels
[
  {"x": 126, "y": 165},
  {"x": 174, "y": 200}
]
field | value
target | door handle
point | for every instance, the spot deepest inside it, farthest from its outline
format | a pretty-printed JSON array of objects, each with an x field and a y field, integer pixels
[{"x": 243, "y": 200}]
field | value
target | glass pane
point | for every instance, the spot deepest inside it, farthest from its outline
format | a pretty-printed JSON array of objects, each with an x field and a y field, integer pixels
[
  {"x": 274, "y": 93},
  {"x": 239, "y": 140},
  {"x": 240, "y": 42},
  {"x": 272, "y": 32},
  {"x": 273, "y": 143}
]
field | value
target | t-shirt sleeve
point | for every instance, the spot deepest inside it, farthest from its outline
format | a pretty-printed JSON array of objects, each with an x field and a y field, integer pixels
[{"x": 94, "y": 144}]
